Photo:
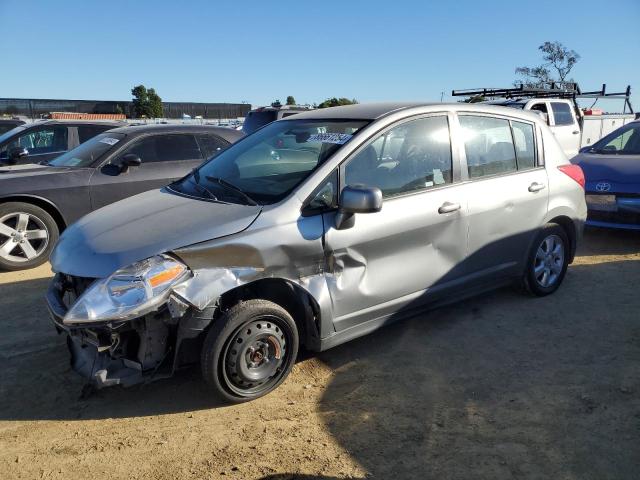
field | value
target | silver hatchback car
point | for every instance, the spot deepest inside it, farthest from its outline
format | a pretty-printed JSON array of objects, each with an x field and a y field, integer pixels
[{"x": 312, "y": 231}]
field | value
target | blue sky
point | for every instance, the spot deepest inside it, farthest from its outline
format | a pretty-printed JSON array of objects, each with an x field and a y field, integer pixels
[{"x": 257, "y": 51}]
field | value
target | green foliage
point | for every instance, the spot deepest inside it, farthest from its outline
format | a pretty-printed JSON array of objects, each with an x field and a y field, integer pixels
[
  {"x": 336, "y": 102},
  {"x": 559, "y": 61},
  {"x": 474, "y": 99},
  {"x": 291, "y": 100},
  {"x": 146, "y": 103},
  {"x": 276, "y": 104}
]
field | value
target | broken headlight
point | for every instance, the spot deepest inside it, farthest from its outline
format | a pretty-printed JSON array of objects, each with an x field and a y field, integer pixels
[{"x": 128, "y": 293}]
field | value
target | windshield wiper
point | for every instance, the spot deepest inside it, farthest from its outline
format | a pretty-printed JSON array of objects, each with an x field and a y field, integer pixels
[
  {"x": 196, "y": 181},
  {"x": 231, "y": 186}
]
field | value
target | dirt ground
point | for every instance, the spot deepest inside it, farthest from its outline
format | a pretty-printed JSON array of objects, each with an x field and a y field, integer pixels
[{"x": 501, "y": 386}]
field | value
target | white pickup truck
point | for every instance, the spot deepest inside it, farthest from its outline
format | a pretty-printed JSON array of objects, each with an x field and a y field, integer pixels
[{"x": 571, "y": 127}]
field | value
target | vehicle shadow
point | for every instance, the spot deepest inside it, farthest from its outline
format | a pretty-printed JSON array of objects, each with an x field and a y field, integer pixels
[{"x": 603, "y": 241}]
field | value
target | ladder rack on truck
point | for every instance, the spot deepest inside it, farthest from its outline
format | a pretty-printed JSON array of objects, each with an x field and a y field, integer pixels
[{"x": 558, "y": 104}]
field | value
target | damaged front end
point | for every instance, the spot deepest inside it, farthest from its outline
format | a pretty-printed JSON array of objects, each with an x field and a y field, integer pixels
[{"x": 131, "y": 327}]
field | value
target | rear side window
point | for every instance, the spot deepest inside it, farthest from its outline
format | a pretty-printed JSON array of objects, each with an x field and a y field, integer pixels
[
  {"x": 211, "y": 145},
  {"x": 525, "y": 145},
  {"x": 488, "y": 145},
  {"x": 42, "y": 140},
  {"x": 85, "y": 132},
  {"x": 166, "y": 148},
  {"x": 562, "y": 113}
]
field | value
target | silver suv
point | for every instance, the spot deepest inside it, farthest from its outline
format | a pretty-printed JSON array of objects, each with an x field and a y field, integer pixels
[{"x": 313, "y": 231}]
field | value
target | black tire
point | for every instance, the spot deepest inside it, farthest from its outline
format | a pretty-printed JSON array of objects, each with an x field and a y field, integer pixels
[
  {"x": 38, "y": 221},
  {"x": 240, "y": 352},
  {"x": 537, "y": 267}
]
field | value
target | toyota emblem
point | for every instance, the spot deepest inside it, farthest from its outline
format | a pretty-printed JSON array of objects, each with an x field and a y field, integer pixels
[{"x": 603, "y": 187}]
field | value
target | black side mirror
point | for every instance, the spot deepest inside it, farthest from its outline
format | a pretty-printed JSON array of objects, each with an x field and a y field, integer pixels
[
  {"x": 129, "y": 160},
  {"x": 16, "y": 153},
  {"x": 357, "y": 199}
]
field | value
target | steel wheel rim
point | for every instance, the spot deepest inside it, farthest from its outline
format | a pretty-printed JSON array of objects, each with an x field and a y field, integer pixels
[
  {"x": 23, "y": 237},
  {"x": 549, "y": 261},
  {"x": 255, "y": 363}
]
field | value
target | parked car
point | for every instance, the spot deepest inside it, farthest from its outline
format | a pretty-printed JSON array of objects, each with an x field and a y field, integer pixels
[
  {"x": 7, "y": 124},
  {"x": 612, "y": 170},
  {"x": 262, "y": 116},
  {"x": 315, "y": 230},
  {"x": 44, "y": 140},
  {"x": 39, "y": 201}
]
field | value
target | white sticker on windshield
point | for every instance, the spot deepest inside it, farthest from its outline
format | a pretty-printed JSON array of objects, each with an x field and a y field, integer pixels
[
  {"x": 337, "y": 138},
  {"x": 109, "y": 140}
]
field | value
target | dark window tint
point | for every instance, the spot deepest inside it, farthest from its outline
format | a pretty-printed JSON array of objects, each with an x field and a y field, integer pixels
[
  {"x": 85, "y": 132},
  {"x": 525, "y": 145},
  {"x": 488, "y": 145},
  {"x": 562, "y": 113},
  {"x": 624, "y": 141},
  {"x": 165, "y": 148},
  {"x": 256, "y": 120},
  {"x": 285, "y": 115},
  {"x": 413, "y": 156},
  {"x": 42, "y": 140},
  {"x": 211, "y": 145},
  {"x": 325, "y": 197}
]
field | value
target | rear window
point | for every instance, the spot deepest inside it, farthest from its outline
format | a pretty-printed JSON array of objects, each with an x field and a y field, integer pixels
[
  {"x": 85, "y": 132},
  {"x": 256, "y": 120},
  {"x": 562, "y": 113}
]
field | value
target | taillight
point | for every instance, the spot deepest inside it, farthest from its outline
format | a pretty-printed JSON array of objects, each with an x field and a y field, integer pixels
[{"x": 575, "y": 172}]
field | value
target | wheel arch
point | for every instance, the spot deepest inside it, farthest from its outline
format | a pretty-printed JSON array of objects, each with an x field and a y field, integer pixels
[
  {"x": 297, "y": 301},
  {"x": 43, "y": 203},
  {"x": 570, "y": 229}
]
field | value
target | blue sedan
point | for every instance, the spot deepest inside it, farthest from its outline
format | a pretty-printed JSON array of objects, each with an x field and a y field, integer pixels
[{"x": 612, "y": 171}]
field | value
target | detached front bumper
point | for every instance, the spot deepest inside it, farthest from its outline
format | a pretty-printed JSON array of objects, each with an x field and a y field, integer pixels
[{"x": 128, "y": 352}]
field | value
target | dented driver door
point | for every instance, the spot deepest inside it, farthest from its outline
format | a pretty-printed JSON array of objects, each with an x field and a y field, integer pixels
[{"x": 389, "y": 262}]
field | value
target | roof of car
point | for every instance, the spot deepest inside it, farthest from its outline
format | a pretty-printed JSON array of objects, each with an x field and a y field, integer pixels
[
  {"x": 226, "y": 133},
  {"x": 72, "y": 122},
  {"x": 374, "y": 111}
]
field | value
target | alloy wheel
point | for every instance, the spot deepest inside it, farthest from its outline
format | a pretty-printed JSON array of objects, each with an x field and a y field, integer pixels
[
  {"x": 23, "y": 237},
  {"x": 549, "y": 261}
]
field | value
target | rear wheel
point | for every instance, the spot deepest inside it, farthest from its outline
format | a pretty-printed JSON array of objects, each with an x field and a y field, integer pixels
[
  {"x": 548, "y": 261},
  {"x": 249, "y": 350},
  {"x": 27, "y": 236}
]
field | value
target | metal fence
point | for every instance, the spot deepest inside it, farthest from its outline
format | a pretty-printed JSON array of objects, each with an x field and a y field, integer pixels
[{"x": 34, "y": 108}]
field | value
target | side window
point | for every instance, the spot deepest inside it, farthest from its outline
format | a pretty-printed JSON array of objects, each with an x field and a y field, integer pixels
[
  {"x": 85, "y": 132},
  {"x": 413, "y": 156},
  {"x": 43, "y": 140},
  {"x": 525, "y": 145},
  {"x": 325, "y": 197},
  {"x": 562, "y": 113},
  {"x": 488, "y": 145},
  {"x": 177, "y": 147},
  {"x": 211, "y": 145},
  {"x": 165, "y": 148}
]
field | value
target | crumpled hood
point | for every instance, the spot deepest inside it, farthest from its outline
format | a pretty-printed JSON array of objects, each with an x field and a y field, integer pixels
[{"x": 139, "y": 227}]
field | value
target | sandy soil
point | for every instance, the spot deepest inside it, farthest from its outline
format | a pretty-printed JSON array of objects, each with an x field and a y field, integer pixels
[{"x": 501, "y": 386}]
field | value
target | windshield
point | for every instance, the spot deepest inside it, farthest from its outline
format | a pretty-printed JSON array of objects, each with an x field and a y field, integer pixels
[
  {"x": 85, "y": 154},
  {"x": 624, "y": 141},
  {"x": 11, "y": 133},
  {"x": 266, "y": 166}
]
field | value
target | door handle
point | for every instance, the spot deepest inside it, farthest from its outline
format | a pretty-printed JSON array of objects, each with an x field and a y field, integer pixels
[
  {"x": 536, "y": 187},
  {"x": 448, "y": 207},
  {"x": 576, "y": 132}
]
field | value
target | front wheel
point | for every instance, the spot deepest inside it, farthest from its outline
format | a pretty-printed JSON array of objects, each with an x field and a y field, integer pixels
[
  {"x": 249, "y": 350},
  {"x": 548, "y": 261},
  {"x": 27, "y": 236}
]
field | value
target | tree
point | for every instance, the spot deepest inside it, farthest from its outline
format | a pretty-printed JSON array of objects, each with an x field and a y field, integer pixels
[
  {"x": 276, "y": 104},
  {"x": 559, "y": 61},
  {"x": 291, "y": 100},
  {"x": 336, "y": 102},
  {"x": 146, "y": 103}
]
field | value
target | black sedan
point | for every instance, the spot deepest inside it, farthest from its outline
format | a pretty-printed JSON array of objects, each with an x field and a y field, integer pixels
[{"x": 38, "y": 201}]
